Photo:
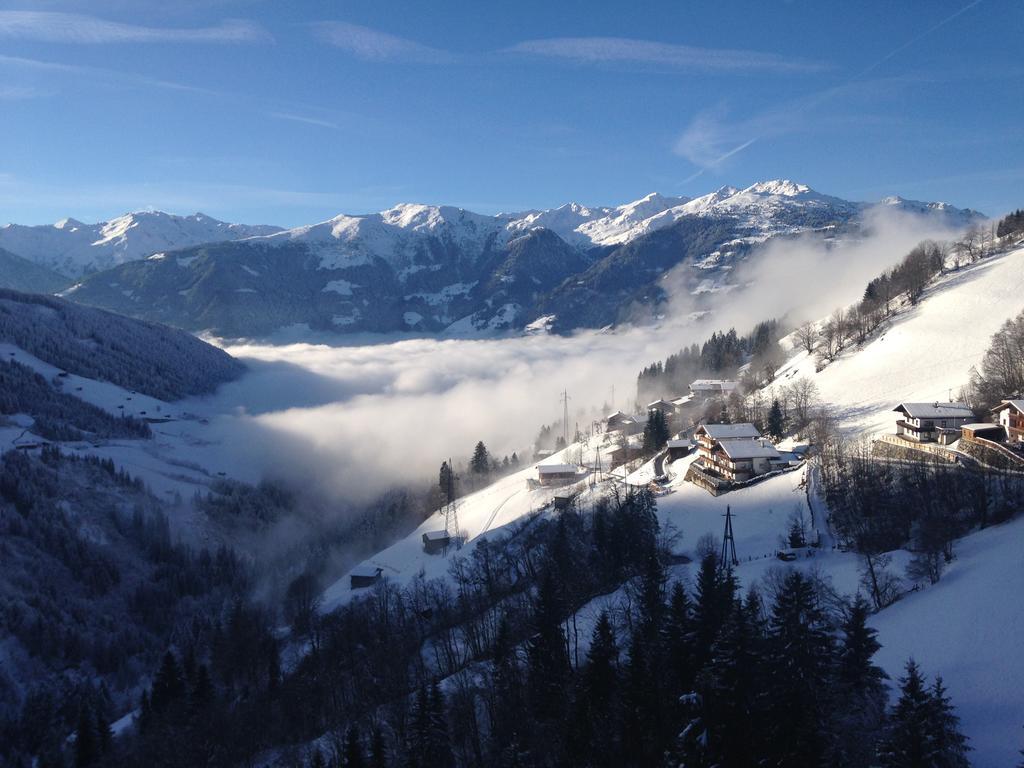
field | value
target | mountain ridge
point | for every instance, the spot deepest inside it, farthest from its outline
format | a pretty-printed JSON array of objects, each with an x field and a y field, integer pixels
[{"x": 416, "y": 268}]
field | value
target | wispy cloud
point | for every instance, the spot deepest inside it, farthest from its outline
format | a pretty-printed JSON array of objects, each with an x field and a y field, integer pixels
[
  {"x": 17, "y": 93},
  {"x": 597, "y": 50},
  {"x": 54, "y": 27},
  {"x": 373, "y": 45},
  {"x": 302, "y": 119},
  {"x": 709, "y": 140},
  {"x": 102, "y": 74}
]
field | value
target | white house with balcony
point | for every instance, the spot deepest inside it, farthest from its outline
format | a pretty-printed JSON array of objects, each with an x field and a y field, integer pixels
[{"x": 932, "y": 422}]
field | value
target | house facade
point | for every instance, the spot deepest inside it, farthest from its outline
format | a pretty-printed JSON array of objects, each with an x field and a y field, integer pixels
[
  {"x": 1010, "y": 416},
  {"x": 735, "y": 452},
  {"x": 931, "y": 422}
]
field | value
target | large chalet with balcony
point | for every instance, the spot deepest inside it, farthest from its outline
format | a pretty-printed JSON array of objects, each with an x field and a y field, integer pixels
[
  {"x": 1010, "y": 416},
  {"x": 735, "y": 452},
  {"x": 932, "y": 422}
]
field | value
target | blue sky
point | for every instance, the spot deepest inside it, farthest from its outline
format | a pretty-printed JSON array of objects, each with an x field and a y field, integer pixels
[{"x": 290, "y": 113}]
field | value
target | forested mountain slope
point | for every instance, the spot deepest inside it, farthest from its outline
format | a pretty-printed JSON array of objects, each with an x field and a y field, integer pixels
[
  {"x": 21, "y": 274},
  {"x": 163, "y": 362}
]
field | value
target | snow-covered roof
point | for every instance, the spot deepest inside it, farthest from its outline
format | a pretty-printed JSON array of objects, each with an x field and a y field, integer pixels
[
  {"x": 749, "y": 449},
  {"x": 935, "y": 410},
  {"x": 556, "y": 469},
  {"x": 679, "y": 442},
  {"x": 722, "y": 385},
  {"x": 657, "y": 403},
  {"x": 619, "y": 415},
  {"x": 729, "y": 431},
  {"x": 366, "y": 570},
  {"x": 981, "y": 425},
  {"x": 436, "y": 535},
  {"x": 1017, "y": 405}
]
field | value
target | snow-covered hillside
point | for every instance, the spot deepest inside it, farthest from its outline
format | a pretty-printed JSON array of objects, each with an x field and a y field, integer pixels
[
  {"x": 964, "y": 628},
  {"x": 73, "y": 248},
  {"x": 926, "y": 352}
]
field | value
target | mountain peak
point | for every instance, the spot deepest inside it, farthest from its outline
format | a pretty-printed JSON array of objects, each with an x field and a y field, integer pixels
[
  {"x": 69, "y": 224},
  {"x": 781, "y": 187}
]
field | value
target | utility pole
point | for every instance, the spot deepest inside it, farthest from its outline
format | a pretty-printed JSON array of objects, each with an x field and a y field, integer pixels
[
  {"x": 728, "y": 543},
  {"x": 565, "y": 417}
]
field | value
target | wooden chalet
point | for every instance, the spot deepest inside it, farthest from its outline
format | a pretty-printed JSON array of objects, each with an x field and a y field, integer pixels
[
  {"x": 664, "y": 407},
  {"x": 363, "y": 576},
  {"x": 932, "y": 422},
  {"x": 678, "y": 447},
  {"x": 556, "y": 474},
  {"x": 436, "y": 542},
  {"x": 707, "y": 435},
  {"x": 563, "y": 500},
  {"x": 620, "y": 422},
  {"x": 739, "y": 460},
  {"x": 1010, "y": 415},
  {"x": 735, "y": 452}
]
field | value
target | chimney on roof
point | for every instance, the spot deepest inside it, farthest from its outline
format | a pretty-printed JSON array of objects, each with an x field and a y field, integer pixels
[{"x": 936, "y": 405}]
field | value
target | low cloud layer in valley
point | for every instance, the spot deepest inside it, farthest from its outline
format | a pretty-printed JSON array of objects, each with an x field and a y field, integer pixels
[{"x": 351, "y": 421}]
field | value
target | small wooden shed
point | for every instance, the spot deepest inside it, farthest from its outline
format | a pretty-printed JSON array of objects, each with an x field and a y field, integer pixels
[{"x": 363, "y": 576}]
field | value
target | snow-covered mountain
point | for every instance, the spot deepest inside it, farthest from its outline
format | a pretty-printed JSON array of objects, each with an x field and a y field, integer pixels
[
  {"x": 75, "y": 249},
  {"x": 424, "y": 268}
]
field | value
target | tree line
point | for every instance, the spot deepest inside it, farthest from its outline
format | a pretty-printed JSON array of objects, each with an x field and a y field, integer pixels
[
  {"x": 720, "y": 356},
  {"x": 497, "y": 666}
]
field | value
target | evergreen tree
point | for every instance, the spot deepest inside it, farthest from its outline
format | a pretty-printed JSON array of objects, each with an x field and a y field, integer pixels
[
  {"x": 645, "y": 723},
  {"x": 656, "y": 432},
  {"x": 378, "y": 749},
  {"x": 86, "y": 741},
  {"x": 729, "y": 692},
  {"x": 104, "y": 735},
  {"x": 353, "y": 749},
  {"x": 859, "y": 713},
  {"x": 775, "y": 426},
  {"x": 678, "y": 633},
  {"x": 799, "y": 665},
  {"x": 709, "y": 612},
  {"x": 547, "y": 654},
  {"x": 593, "y": 739},
  {"x": 446, "y": 481},
  {"x": 202, "y": 689},
  {"x": 438, "y": 748},
  {"x": 907, "y": 738},
  {"x": 949, "y": 746},
  {"x": 169, "y": 684},
  {"x": 507, "y": 710},
  {"x": 480, "y": 464}
]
